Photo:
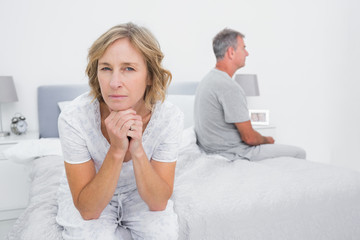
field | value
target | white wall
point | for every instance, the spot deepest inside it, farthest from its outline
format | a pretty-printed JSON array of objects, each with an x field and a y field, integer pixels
[{"x": 304, "y": 52}]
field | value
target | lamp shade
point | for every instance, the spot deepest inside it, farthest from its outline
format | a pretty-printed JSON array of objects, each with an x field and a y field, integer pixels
[
  {"x": 248, "y": 83},
  {"x": 7, "y": 90}
]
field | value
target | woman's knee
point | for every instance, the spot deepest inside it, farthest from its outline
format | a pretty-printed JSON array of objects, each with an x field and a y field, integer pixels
[
  {"x": 96, "y": 229},
  {"x": 157, "y": 225},
  {"x": 75, "y": 227},
  {"x": 157, "y": 230}
]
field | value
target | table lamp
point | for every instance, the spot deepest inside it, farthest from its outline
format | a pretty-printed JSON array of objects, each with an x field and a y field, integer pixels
[
  {"x": 7, "y": 94},
  {"x": 248, "y": 83}
]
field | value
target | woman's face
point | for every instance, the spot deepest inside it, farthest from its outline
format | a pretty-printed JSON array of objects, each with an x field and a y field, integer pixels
[{"x": 122, "y": 74}]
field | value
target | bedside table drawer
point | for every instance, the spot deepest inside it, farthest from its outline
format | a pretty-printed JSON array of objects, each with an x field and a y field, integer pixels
[
  {"x": 14, "y": 179},
  {"x": 14, "y": 187}
]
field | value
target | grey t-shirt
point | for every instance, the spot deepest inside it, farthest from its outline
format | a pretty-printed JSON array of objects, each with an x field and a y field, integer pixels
[{"x": 219, "y": 103}]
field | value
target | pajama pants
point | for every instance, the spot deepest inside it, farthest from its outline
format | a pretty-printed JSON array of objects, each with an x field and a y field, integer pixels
[
  {"x": 126, "y": 217},
  {"x": 263, "y": 151}
]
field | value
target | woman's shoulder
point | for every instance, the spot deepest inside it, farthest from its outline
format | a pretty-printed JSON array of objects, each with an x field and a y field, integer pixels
[
  {"x": 166, "y": 115},
  {"x": 79, "y": 107},
  {"x": 168, "y": 110}
]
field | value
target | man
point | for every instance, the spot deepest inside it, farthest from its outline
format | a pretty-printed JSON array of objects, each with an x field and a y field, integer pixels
[{"x": 222, "y": 122}]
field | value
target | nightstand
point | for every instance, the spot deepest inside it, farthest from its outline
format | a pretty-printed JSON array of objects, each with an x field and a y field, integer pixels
[
  {"x": 266, "y": 130},
  {"x": 14, "y": 183}
]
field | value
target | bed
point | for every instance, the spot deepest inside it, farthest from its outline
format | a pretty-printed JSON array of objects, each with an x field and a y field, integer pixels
[{"x": 280, "y": 198}]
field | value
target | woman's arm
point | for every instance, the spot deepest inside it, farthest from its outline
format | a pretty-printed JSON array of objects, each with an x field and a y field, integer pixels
[
  {"x": 154, "y": 180},
  {"x": 92, "y": 192}
]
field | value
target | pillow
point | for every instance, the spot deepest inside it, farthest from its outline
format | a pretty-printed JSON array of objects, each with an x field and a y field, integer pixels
[
  {"x": 188, "y": 137},
  {"x": 186, "y": 104},
  {"x": 28, "y": 150},
  {"x": 63, "y": 104}
]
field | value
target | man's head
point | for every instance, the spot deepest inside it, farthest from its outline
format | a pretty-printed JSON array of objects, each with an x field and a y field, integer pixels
[{"x": 230, "y": 44}]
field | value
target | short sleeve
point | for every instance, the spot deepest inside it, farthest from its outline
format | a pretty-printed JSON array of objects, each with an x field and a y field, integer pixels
[
  {"x": 234, "y": 105},
  {"x": 170, "y": 139},
  {"x": 73, "y": 144}
]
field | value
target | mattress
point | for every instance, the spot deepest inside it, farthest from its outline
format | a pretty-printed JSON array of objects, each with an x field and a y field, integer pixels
[{"x": 280, "y": 198}]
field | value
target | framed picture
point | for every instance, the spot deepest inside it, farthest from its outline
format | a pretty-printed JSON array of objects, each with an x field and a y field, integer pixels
[{"x": 259, "y": 117}]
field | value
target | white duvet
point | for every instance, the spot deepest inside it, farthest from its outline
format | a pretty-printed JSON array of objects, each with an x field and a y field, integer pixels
[{"x": 282, "y": 198}]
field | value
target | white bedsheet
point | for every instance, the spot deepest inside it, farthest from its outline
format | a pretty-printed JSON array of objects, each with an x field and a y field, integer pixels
[
  {"x": 37, "y": 222},
  {"x": 282, "y": 198}
]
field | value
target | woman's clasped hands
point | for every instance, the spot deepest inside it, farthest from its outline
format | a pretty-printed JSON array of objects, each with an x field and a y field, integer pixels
[{"x": 125, "y": 131}]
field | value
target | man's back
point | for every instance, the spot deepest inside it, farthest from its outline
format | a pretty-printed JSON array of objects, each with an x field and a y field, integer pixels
[
  {"x": 219, "y": 103},
  {"x": 222, "y": 123}
]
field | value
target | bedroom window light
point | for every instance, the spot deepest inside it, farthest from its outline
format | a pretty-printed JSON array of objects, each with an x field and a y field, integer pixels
[{"x": 7, "y": 94}]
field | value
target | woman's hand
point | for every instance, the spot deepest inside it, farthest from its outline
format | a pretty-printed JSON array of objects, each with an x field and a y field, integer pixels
[
  {"x": 135, "y": 133},
  {"x": 117, "y": 126}
]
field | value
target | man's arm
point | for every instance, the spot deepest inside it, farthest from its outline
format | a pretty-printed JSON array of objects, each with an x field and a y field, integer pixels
[{"x": 250, "y": 136}]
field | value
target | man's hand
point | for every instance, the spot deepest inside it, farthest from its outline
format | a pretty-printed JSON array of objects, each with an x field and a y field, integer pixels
[
  {"x": 269, "y": 140},
  {"x": 250, "y": 136}
]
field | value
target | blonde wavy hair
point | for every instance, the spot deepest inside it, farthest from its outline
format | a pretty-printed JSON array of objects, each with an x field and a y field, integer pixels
[{"x": 142, "y": 39}]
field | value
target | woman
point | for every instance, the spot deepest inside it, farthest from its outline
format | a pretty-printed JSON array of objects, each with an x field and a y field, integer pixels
[{"x": 120, "y": 144}]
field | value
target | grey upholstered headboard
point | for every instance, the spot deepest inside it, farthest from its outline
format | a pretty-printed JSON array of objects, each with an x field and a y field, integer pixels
[
  {"x": 48, "y": 109},
  {"x": 50, "y": 95},
  {"x": 183, "y": 88},
  {"x": 183, "y": 95}
]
